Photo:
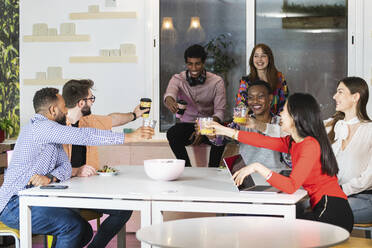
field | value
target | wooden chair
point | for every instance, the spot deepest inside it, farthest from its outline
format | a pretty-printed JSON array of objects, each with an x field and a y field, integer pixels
[
  {"x": 7, "y": 231},
  {"x": 367, "y": 228}
]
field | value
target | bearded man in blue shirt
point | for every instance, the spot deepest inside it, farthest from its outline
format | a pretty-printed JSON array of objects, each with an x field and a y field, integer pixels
[{"x": 39, "y": 159}]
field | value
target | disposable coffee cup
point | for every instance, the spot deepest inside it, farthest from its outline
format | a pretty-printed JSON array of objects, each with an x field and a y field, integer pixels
[
  {"x": 182, "y": 105},
  {"x": 145, "y": 103}
]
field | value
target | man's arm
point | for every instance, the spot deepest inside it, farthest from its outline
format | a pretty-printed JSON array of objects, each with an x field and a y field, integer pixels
[
  {"x": 171, "y": 93},
  {"x": 52, "y": 132},
  {"x": 83, "y": 171},
  {"x": 119, "y": 119}
]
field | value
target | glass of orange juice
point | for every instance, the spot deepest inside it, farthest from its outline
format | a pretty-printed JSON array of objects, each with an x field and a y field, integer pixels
[
  {"x": 240, "y": 114},
  {"x": 204, "y": 123}
]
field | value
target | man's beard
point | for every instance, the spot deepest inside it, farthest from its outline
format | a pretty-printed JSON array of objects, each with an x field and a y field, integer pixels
[
  {"x": 86, "y": 110},
  {"x": 61, "y": 119}
]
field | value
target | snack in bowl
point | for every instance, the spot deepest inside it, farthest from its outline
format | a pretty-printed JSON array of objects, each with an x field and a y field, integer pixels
[
  {"x": 107, "y": 171},
  {"x": 164, "y": 169}
]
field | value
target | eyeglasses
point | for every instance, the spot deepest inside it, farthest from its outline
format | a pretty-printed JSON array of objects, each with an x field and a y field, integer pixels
[{"x": 92, "y": 98}]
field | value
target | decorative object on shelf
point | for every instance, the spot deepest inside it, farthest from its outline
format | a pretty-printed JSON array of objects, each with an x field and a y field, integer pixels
[
  {"x": 94, "y": 13},
  {"x": 323, "y": 16},
  {"x": 53, "y": 76},
  {"x": 6, "y": 128},
  {"x": 126, "y": 54},
  {"x": 41, "y": 33}
]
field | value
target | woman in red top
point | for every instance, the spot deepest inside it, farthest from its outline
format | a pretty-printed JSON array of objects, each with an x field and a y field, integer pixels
[{"x": 314, "y": 164}]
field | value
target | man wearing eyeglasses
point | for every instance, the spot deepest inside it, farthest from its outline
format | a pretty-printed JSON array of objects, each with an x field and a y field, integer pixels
[
  {"x": 84, "y": 159},
  {"x": 79, "y": 100}
]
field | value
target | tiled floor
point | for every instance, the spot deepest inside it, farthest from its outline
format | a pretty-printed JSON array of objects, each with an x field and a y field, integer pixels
[{"x": 132, "y": 242}]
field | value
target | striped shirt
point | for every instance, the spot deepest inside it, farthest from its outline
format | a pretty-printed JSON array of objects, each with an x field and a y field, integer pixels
[{"x": 39, "y": 151}]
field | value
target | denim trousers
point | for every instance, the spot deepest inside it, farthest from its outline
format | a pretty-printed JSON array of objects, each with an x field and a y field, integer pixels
[
  {"x": 361, "y": 205},
  {"x": 70, "y": 229},
  {"x": 109, "y": 227}
]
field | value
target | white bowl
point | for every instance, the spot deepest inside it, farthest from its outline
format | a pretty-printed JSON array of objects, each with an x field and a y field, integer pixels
[{"x": 164, "y": 169}]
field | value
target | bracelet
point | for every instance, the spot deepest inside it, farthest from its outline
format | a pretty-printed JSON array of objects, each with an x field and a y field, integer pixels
[
  {"x": 235, "y": 135},
  {"x": 134, "y": 116},
  {"x": 269, "y": 176}
]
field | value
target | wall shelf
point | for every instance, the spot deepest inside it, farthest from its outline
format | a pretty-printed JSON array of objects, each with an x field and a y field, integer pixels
[
  {"x": 57, "y": 38},
  {"x": 103, "y": 15},
  {"x": 44, "y": 82},
  {"x": 104, "y": 59}
]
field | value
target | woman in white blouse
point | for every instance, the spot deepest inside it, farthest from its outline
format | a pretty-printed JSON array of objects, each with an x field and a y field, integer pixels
[{"x": 351, "y": 137}]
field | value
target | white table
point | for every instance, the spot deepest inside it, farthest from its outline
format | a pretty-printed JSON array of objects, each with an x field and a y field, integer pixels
[
  {"x": 212, "y": 190},
  {"x": 242, "y": 232},
  {"x": 197, "y": 190}
]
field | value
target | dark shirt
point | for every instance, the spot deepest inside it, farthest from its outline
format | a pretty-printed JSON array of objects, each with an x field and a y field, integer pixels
[{"x": 78, "y": 154}]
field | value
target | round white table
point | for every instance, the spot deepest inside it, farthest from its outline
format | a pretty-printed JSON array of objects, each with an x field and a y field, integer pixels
[{"x": 242, "y": 231}]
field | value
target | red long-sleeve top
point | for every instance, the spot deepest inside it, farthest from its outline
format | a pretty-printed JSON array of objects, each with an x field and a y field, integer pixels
[{"x": 306, "y": 166}]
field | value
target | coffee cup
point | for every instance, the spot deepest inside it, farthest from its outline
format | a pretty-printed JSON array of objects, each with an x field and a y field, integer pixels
[
  {"x": 182, "y": 105},
  {"x": 145, "y": 103}
]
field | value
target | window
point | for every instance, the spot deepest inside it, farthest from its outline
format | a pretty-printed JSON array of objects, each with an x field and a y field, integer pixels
[
  {"x": 309, "y": 42},
  {"x": 185, "y": 22}
]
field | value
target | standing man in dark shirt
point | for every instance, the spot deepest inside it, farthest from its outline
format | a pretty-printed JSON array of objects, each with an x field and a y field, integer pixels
[
  {"x": 205, "y": 95},
  {"x": 84, "y": 159}
]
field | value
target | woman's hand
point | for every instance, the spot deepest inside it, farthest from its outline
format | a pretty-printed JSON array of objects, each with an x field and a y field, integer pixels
[
  {"x": 243, "y": 173},
  {"x": 246, "y": 171},
  {"x": 222, "y": 130}
]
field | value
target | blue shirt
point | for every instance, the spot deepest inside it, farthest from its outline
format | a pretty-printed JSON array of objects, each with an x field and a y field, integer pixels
[{"x": 39, "y": 150}]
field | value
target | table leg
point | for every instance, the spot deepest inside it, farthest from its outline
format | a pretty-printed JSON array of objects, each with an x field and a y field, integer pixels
[
  {"x": 289, "y": 212},
  {"x": 25, "y": 227},
  {"x": 157, "y": 214},
  {"x": 146, "y": 220}
]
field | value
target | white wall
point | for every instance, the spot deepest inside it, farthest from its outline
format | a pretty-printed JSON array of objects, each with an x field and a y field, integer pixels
[{"x": 118, "y": 86}]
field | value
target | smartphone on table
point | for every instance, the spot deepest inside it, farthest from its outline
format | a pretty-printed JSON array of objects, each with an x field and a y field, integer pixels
[{"x": 54, "y": 187}]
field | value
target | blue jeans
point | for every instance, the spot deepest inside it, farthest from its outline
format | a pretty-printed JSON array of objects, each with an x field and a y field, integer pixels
[
  {"x": 361, "y": 205},
  {"x": 110, "y": 226},
  {"x": 68, "y": 226}
]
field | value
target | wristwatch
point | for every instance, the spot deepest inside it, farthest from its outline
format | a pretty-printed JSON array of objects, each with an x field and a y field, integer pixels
[
  {"x": 134, "y": 116},
  {"x": 50, "y": 176}
]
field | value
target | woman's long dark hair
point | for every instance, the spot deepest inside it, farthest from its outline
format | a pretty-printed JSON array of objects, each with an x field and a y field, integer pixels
[
  {"x": 272, "y": 72},
  {"x": 355, "y": 85},
  {"x": 305, "y": 111}
]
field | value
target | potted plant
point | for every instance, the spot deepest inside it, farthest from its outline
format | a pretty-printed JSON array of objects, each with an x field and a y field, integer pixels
[
  {"x": 219, "y": 59},
  {"x": 6, "y": 128}
]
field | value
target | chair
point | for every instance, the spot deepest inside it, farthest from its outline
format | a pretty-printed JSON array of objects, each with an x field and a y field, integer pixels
[
  {"x": 7, "y": 231},
  {"x": 365, "y": 227}
]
